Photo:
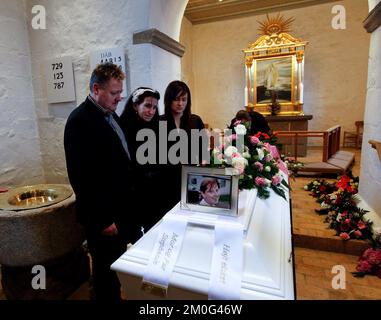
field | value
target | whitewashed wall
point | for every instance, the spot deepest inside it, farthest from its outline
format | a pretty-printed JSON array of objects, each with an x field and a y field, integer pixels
[
  {"x": 76, "y": 28},
  {"x": 187, "y": 74},
  {"x": 335, "y": 64},
  {"x": 370, "y": 182},
  {"x": 20, "y": 160}
]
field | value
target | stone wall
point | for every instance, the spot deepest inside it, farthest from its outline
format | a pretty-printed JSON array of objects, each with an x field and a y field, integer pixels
[
  {"x": 335, "y": 64},
  {"x": 20, "y": 160}
]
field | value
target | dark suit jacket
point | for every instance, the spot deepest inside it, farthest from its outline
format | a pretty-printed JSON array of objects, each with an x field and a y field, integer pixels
[{"x": 99, "y": 170}]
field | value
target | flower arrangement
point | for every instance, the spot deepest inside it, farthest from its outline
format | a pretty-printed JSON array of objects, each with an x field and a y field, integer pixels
[
  {"x": 369, "y": 263},
  {"x": 293, "y": 166},
  {"x": 350, "y": 224},
  {"x": 319, "y": 188},
  {"x": 338, "y": 200},
  {"x": 256, "y": 158}
]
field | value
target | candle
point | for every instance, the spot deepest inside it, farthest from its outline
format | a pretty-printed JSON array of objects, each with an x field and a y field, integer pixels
[
  {"x": 245, "y": 97},
  {"x": 301, "y": 92}
]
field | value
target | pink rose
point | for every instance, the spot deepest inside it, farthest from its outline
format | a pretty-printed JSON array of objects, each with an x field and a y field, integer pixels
[
  {"x": 236, "y": 155},
  {"x": 237, "y": 122},
  {"x": 344, "y": 236},
  {"x": 233, "y": 137},
  {"x": 260, "y": 181},
  {"x": 361, "y": 225},
  {"x": 276, "y": 180},
  {"x": 347, "y": 221},
  {"x": 259, "y": 166},
  {"x": 268, "y": 158},
  {"x": 358, "y": 233},
  {"x": 254, "y": 140}
]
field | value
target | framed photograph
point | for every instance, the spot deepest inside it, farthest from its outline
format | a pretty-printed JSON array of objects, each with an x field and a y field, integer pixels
[{"x": 210, "y": 190}]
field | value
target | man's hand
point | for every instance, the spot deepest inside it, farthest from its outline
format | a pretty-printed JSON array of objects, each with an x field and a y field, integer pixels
[{"x": 110, "y": 230}]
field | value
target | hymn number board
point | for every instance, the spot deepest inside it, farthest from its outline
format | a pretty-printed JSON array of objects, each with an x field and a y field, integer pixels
[
  {"x": 60, "y": 80},
  {"x": 113, "y": 55}
]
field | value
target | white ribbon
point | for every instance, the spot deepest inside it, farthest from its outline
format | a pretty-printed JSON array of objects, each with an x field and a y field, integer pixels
[
  {"x": 165, "y": 252},
  {"x": 227, "y": 261}
]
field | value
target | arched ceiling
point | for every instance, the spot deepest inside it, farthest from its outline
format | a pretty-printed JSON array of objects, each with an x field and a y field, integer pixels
[{"x": 201, "y": 11}]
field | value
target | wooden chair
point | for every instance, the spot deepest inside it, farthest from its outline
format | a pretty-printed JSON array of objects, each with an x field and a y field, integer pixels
[{"x": 354, "y": 138}]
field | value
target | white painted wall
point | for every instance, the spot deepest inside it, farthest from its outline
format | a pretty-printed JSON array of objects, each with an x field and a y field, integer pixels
[
  {"x": 20, "y": 160},
  {"x": 187, "y": 74},
  {"x": 335, "y": 65},
  {"x": 76, "y": 28},
  {"x": 370, "y": 182}
]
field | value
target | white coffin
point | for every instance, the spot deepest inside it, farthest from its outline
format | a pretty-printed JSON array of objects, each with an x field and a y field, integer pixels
[{"x": 268, "y": 266}]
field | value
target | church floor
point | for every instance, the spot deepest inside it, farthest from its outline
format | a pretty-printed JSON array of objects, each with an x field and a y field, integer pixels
[{"x": 316, "y": 250}]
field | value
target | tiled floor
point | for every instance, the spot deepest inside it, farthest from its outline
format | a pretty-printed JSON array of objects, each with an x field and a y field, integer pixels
[{"x": 313, "y": 267}]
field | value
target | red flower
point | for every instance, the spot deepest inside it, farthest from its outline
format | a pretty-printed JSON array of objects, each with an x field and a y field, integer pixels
[
  {"x": 322, "y": 188},
  {"x": 358, "y": 233},
  {"x": 344, "y": 236},
  {"x": 373, "y": 256},
  {"x": 361, "y": 225},
  {"x": 363, "y": 266}
]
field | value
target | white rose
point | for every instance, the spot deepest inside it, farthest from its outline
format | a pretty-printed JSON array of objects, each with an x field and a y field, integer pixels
[
  {"x": 267, "y": 169},
  {"x": 246, "y": 155},
  {"x": 240, "y": 129},
  {"x": 305, "y": 187},
  {"x": 239, "y": 162},
  {"x": 261, "y": 154},
  {"x": 216, "y": 151},
  {"x": 230, "y": 150},
  {"x": 325, "y": 205}
]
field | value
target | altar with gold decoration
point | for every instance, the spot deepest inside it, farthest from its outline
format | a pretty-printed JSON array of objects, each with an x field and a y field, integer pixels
[{"x": 274, "y": 74}]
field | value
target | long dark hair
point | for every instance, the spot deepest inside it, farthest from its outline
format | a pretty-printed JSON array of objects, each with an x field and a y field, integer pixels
[
  {"x": 174, "y": 89},
  {"x": 136, "y": 98}
]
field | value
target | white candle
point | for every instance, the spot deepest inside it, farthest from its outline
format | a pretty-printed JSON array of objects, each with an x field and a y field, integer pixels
[
  {"x": 246, "y": 97},
  {"x": 301, "y": 92}
]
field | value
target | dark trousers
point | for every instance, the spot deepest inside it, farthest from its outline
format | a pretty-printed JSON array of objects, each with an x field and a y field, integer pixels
[{"x": 105, "y": 250}]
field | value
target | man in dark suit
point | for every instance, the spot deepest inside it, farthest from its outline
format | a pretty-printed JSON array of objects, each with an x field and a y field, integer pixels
[
  {"x": 98, "y": 165},
  {"x": 257, "y": 121}
]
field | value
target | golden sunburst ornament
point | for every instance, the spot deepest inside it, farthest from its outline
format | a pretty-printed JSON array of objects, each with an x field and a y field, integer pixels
[{"x": 275, "y": 25}]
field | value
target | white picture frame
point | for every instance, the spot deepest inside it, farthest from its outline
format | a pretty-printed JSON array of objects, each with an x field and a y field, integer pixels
[{"x": 210, "y": 190}]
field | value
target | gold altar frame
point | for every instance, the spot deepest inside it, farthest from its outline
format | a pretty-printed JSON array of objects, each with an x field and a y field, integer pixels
[{"x": 277, "y": 49}]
